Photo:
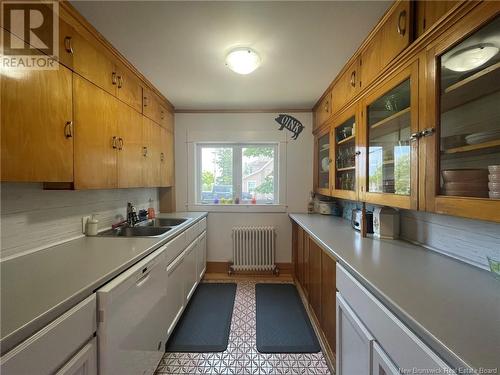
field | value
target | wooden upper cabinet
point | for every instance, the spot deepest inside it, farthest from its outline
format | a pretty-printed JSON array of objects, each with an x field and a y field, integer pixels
[
  {"x": 166, "y": 157},
  {"x": 96, "y": 140},
  {"x": 129, "y": 89},
  {"x": 36, "y": 125},
  {"x": 347, "y": 86},
  {"x": 129, "y": 146},
  {"x": 388, "y": 141},
  {"x": 323, "y": 111},
  {"x": 462, "y": 124},
  {"x": 345, "y": 161},
  {"x": 151, "y": 138},
  {"x": 429, "y": 12},
  {"x": 322, "y": 161},
  {"x": 91, "y": 60},
  {"x": 392, "y": 37}
]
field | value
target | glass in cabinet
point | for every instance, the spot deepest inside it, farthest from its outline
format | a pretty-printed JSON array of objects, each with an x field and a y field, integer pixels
[
  {"x": 323, "y": 161},
  {"x": 469, "y": 115},
  {"x": 390, "y": 114},
  {"x": 463, "y": 96},
  {"x": 344, "y": 184}
]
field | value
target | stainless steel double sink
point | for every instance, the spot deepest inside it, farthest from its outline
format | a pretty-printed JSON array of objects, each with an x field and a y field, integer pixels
[{"x": 148, "y": 228}]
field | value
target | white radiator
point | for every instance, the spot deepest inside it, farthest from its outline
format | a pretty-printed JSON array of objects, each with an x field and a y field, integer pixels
[{"x": 254, "y": 249}]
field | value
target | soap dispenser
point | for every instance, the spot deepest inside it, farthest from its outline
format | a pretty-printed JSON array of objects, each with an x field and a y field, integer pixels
[{"x": 92, "y": 226}]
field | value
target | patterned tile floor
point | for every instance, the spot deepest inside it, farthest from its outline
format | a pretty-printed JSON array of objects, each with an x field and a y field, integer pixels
[{"x": 241, "y": 356}]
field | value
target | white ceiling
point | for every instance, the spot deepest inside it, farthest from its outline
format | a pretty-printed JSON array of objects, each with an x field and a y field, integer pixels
[{"x": 180, "y": 46}]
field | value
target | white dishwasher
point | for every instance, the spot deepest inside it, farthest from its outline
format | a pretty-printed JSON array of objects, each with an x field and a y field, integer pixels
[{"x": 131, "y": 328}]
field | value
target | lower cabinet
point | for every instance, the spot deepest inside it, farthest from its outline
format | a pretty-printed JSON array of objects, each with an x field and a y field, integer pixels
[
  {"x": 83, "y": 363},
  {"x": 175, "y": 292},
  {"x": 372, "y": 340},
  {"x": 315, "y": 273},
  {"x": 190, "y": 270},
  {"x": 353, "y": 342},
  {"x": 202, "y": 255},
  {"x": 52, "y": 349}
]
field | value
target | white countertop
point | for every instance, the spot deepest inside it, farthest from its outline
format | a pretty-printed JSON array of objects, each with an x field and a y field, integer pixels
[
  {"x": 452, "y": 306},
  {"x": 36, "y": 288}
]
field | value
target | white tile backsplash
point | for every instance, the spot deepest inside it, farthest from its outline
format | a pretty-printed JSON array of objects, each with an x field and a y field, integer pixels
[
  {"x": 33, "y": 218},
  {"x": 468, "y": 240}
]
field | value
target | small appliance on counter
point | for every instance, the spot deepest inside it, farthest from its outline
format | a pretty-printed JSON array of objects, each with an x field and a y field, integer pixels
[
  {"x": 386, "y": 222},
  {"x": 327, "y": 207},
  {"x": 356, "y": 219}
]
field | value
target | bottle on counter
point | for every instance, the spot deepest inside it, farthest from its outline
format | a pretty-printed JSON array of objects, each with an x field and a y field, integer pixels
[
  {"x": 92, "y": 224},
  {"x": 310, "y": 203}
]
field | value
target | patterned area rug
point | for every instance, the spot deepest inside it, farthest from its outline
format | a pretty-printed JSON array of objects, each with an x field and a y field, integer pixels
[{"x": 241, "y": 356}]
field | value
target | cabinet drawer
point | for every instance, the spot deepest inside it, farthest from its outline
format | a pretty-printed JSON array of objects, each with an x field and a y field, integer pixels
[
  {"x": 176, "y": 246},
  {"x": 401, "y": 344},
  {"x": 82, "y": 363},
  {"x": 52, "y": 346}
]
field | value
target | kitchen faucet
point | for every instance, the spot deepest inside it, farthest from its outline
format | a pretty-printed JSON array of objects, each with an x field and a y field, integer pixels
[{"x": 131, "y": 215}]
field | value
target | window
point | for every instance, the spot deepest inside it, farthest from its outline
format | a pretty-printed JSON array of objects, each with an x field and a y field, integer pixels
[{"x": 237, "y": 173}]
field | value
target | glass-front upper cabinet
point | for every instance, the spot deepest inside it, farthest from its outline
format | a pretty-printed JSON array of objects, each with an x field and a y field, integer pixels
[
  {"x": 465, "y": 103},
  {"x": 390, "y": 115},
  {"x": 322, "y": 161},
  {"x": 344, "y": 164}
]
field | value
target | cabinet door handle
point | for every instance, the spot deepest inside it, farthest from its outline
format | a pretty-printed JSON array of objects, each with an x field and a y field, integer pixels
[
  {"x": 68, "y": 45},
  {"x": 68, "y": 129},
  {"x": 357, "y": 153},
  {"x": 415, "y": 136},
  {"x": 120, "y": 143},
  {"x": 113, "y": 142},
  {"x": 162, "y": 156},
  {"x": 427, "y": 132},
  {"x": 145, "y": 151},
  {"x": 120, "y": 82},
  {"x": 326, "y": 106},
  {"x": 113, "y": 78},
  {"x": 162, "y": 115},
  {"x": 145, "y": 101},
  {"x": 353, "y": 79},
  {"x": 402, "y": 29}
]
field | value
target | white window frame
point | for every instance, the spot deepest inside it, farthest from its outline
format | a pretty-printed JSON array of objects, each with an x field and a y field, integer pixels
[{"x": 279, "y": 176}]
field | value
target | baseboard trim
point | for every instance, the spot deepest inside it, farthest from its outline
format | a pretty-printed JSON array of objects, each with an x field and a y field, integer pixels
[{"x": 223, "y": 267}]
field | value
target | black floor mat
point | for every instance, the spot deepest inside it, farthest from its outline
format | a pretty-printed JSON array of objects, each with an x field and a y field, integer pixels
[
  {"x": 205, "y": 324},
  {"x": 283, "y": 325}
]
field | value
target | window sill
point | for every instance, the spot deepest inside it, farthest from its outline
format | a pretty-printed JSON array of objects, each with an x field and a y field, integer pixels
[{"x": 265, "y": 208}]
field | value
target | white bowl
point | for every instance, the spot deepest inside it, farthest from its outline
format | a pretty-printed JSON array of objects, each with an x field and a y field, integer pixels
[
  {"x": 494, "y": 169},
  {"x": 494, "y": 177},
  {"x": 494, "y": 195}
]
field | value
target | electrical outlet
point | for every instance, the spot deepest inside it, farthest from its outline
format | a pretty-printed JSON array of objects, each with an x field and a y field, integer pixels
[{"x": 84, "y": 223}]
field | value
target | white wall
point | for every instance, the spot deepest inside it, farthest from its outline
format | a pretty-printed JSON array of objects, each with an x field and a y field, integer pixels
[
  {"x": 237, "y": 127},
  {"x": 33, "y": 218}
]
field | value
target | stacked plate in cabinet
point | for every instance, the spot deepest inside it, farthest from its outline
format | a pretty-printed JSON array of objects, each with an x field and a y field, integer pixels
[
  {"x": 494, "y": 181},
  {"x": 466, "y": 182}
]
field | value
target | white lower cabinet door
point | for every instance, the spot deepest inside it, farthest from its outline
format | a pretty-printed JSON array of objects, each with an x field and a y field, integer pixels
[
  {"x": 131, "y": 328},
  {"x": 83, "y": 363},
  {"x": 191, "y": 270},
  {"x": 175, "y": 292},
  {"x": 381, "y": 363},
  {"x": 354, "y": 342},
  {"x": 202, "y": 255}
]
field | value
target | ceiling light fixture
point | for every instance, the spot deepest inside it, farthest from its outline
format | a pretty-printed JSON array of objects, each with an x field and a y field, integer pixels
[
  {"x": 243, "y": 60},
  {"x": 470, "y": 58}
]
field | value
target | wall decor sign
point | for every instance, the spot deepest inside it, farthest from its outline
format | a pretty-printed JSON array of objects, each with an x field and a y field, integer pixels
[{"x": 290, "y": 123}]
